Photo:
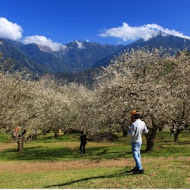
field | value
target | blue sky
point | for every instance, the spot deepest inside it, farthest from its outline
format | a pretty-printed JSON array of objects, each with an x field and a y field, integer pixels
[{"x": 63, "y": 21}]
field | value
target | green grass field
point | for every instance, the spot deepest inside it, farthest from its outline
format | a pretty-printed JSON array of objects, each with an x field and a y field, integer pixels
[{"x": 57, "y": 163}]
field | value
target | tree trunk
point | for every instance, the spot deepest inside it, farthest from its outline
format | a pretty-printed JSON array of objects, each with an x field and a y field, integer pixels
[
  {"x": 20, "y": 144},
  {"x": 176, "y": 134},
  {"x": 56, "y": 134},
  {"x": 110, "y": 129},
  {"x": 150, "y": 139},
  {"x": 124, "y": 132},
  {"x": 161, "y": 129}
]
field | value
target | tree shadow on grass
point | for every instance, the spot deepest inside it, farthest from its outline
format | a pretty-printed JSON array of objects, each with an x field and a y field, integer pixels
[
  {"x": 38, "y": 153},
  {"x": 61, "y": 153},
  {"x": 184, "y": 143},
  {"x": 122, "y": 173},
  {"x": 107, "y": 153}
]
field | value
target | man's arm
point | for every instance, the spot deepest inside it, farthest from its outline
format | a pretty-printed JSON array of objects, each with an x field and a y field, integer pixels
[
  {"x": 131, "y": 130},
  {"x": 145, "y": 130}
]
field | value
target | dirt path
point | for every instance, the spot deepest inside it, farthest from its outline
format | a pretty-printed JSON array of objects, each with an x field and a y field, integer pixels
[{"x": 29, "y": 167}]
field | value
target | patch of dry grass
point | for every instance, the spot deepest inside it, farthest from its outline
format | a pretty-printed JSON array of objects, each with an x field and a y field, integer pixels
[
  {"x": 30, "y": 167},
  {"x": 9, "y": 167}
]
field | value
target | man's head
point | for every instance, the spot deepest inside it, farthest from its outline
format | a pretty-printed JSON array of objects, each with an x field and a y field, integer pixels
[{"x": 135, "y": 114}]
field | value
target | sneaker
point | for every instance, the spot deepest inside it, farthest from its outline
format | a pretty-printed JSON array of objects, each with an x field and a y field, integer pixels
[{"x": 139, "y": 172}]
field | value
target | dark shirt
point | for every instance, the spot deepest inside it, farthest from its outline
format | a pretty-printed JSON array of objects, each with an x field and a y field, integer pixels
[{"x": 83, "y": 139}]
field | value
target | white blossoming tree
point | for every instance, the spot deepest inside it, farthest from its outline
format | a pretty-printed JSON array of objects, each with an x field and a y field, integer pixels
[{"x": 138, "y": 80}]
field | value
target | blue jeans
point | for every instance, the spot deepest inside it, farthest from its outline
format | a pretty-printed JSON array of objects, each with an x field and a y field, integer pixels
[{"x": 136, "y": 147}]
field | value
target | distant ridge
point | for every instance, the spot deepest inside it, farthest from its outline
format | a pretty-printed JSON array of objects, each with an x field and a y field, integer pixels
[
  {"x": 169, "y": 42},
  {"x": 76, "y": 57},
  {"x": 80, "y": 61},
  {"x": 20, "y": 60}
]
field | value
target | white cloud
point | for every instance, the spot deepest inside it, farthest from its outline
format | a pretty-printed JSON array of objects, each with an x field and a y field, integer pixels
[
  {"x": 80, "y": 45},
  {"x": 43, "y": 41},
  {"x": 9, "y": 30},
  {"x": 146, "y": 32}
]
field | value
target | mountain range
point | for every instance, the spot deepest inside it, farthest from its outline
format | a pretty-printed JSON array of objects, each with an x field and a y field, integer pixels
[
  {"x": 170, "y": 43},
  {"x": 76, "y": 57},
  {"x": 79, "y": 61}
]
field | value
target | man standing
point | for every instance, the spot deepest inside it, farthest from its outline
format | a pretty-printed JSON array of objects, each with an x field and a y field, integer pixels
[
  {"x": 82, "y": 142},
  {"x": 136, "y": 130}
]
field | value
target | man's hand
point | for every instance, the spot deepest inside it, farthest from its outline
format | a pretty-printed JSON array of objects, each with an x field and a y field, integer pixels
[{"x": 129, "y": 128}]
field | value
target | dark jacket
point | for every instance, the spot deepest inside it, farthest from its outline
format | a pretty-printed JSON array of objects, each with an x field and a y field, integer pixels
[{"x": 83, "y": 139}]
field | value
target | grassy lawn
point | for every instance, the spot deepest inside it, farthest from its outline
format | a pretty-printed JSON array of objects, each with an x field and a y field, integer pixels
[{"x": 57, "y": 163}]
